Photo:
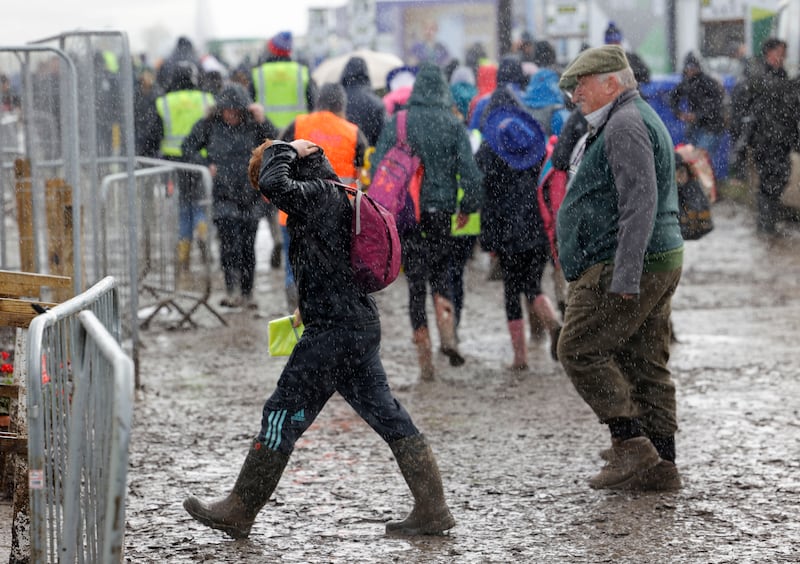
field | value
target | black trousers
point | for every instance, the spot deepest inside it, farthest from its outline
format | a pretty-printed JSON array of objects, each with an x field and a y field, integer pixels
[
  {"x": 327, "y": 360},
  {"x": 237, "y": 252}
]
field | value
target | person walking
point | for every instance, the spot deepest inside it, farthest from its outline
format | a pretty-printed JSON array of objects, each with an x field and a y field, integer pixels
[
  {"x": 768, "y": 107},
  {"x": 223, "y": 141},
  {"x": 344, "y": 144},
  {"x": 177, "y": 112},
  {"x": 621, "y": 249},
  {"x": 339, "y": 351},
  {"x": 697, "y": 101},
  {"x": 511, "y": 156},
  {"x": 364, "y": 107},
  {"x": 283, "y": 87},
  {"x": 438, "y": 137}
]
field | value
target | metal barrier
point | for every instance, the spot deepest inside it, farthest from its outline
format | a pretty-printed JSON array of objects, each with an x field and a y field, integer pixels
[
  {"x": 53, "y": 350},
  {"x": 156, "y": 209},
  {"x": 100, "y": 429}
]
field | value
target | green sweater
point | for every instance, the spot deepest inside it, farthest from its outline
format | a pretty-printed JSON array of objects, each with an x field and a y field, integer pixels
[{"x": 621, "y": 205}]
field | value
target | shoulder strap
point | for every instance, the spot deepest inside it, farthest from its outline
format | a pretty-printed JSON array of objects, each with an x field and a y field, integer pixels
[
  {"x": 355, "y": 202},
  {"x": 402, "y": 137}
]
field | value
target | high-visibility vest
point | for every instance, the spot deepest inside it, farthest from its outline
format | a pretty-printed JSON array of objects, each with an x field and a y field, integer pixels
[
  {"x": 337, "y": 137},
  {"x": 179, "y": 111},
  {"x": 280, "y": 87}
]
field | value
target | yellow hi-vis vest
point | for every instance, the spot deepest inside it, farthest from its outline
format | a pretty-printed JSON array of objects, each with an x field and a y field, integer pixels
[
  {"x": 280, "y": 87},
  {"x": 179, "y": 111}
]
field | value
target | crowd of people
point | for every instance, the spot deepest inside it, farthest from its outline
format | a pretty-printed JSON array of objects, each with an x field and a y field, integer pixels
[{"x": 487, "y": 136}]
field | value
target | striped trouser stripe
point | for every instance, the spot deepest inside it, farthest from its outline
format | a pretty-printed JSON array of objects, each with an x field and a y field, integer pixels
[{"x": 275, "y": 424}]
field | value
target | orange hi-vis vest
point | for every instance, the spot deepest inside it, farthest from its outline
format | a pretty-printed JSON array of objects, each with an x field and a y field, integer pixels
[{"x": 337, "y": 137}]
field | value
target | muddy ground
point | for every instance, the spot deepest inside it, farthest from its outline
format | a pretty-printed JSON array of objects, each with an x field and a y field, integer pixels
[{"x": 515, "y": 450}]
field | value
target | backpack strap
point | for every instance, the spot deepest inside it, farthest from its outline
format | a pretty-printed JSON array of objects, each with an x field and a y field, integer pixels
[
  {"x": 355, "y": 202},
  {"x": 402, "y": 130}
]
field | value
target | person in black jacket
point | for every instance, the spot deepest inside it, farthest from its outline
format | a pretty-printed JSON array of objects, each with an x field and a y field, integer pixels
[
  {"x": 697, "y": 102},
  {"x": 364, "y": 107},
  {"x": 228, "y": 135},
  {"x": 766, "y": 109},
  {"x": 511, "y": 156},
  {"x": 339, "y": 351}
]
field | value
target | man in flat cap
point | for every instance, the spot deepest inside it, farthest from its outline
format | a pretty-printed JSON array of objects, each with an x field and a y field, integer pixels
[{"x": 621, "y": 249}]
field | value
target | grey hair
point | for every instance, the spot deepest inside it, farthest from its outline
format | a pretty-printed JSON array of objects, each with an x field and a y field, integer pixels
[{"x": 624, "y": 77}]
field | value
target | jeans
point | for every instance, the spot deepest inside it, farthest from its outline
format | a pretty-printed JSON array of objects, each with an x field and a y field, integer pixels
[
  {"x": 330, "y": 359},
  {"x": 190, "y": 215}
]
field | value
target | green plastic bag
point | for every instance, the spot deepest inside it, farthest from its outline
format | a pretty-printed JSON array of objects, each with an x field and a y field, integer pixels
[{"x": 282, "y": 336}]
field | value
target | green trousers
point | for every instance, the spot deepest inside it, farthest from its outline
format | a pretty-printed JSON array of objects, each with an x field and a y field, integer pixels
[{"x": 615, "y": 351}]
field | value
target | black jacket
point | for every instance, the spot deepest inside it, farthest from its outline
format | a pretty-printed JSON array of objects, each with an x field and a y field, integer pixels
[
  {"x": 364, "y": 107},
  {"x": 229, "y": 148},
  {"x": 702, "y": 96},
  {"x": 319, "y": 225}
]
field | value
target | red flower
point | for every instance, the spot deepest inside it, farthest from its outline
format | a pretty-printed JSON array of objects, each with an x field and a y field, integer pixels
[
  {"x": 5, "y": 355},
  {"x": 8, "y": 368}
]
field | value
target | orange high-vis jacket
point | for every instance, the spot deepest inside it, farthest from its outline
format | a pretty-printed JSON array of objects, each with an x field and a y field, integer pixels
[{"x": 337, "y": 137}]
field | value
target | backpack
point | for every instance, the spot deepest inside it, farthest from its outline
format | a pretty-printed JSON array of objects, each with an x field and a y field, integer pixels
[
  {"x": 394, "y": 174},
  {"x": 375, "y": 244}
]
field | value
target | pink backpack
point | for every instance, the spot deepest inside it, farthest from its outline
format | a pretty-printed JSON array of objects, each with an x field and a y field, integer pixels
[
  {"x": 375, "y": 247},
  {"x": 393, "y": 175}
]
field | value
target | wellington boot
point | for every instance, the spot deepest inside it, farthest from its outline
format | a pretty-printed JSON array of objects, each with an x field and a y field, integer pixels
[
  {"x": 183, "y": 271},
  {"x": 543, "y": 309},
  {"x": 235, "y": 514},
  {"x": 516, "y": 329},
  {"x": 430, "y": 515},
  {"x": 202, "y": 242},
  {"x": 422, "y": 339},
  {"x": 446, "y": 322}
]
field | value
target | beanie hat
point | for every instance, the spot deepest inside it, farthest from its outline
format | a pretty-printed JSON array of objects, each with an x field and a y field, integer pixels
[
  {"x": 597, "y": 60},
  {"x": 280, "y": 44},
  {"x": 613, "y": 34},
  {"x": 691, "y": 61}
]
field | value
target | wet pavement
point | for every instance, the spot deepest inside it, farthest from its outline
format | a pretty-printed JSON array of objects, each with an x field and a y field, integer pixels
[{"x": 514, "y": 450}]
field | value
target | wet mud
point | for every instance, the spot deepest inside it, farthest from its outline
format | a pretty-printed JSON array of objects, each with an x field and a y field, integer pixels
[{"x": 515, "y": 450}]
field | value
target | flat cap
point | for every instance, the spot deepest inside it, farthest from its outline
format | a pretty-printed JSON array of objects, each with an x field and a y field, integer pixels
[{"x": 597, "y": 60}]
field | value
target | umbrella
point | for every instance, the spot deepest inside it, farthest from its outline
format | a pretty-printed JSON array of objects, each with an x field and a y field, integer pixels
[{"x": 378, "y": 66}]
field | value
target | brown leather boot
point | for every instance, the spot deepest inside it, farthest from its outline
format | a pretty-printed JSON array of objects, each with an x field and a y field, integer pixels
[
  {"x": 627, "y": 459},
  {"x": 235, "y": 514},
  {"x": 422, "y": 339},
  {"x": 430, "y": 515},
  {"x": 446, "y": 323}
]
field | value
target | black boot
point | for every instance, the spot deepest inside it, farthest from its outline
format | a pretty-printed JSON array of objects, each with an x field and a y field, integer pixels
[
  {"x": 234, "y": 515},
  {"x": 430, "y": 515}
]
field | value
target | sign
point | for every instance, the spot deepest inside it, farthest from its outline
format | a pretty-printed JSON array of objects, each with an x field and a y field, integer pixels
[{"x": 567, "y": 18}]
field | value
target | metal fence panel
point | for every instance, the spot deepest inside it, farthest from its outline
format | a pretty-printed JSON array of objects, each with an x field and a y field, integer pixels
[
  {"x": 99, "y": 434},
  {"x": 52, "y": 352}
]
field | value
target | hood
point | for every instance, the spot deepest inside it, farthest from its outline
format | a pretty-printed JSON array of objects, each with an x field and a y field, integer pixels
[
  {"x": 430, "y": 88},
  {"x": 510, "y": 72},
  {"x": 543, "y": 90},
  {"x": 233, "y": 97},
  {"x": 355, "y": 73}
]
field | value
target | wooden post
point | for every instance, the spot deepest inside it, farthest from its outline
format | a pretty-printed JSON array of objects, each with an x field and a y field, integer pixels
[
  {"x": 21, "y": 507},
  {"x": 58, "y": 204},
  {"x": 27, "y": 247}
]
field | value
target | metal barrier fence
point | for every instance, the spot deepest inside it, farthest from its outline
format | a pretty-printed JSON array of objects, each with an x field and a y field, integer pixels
[
  {"x": 69, "y": 146},
  {"x": 100, "y": 429},
  {"x": 156, "y": 209},
  {"x": 55, "y": 360}
]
